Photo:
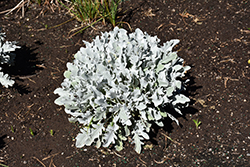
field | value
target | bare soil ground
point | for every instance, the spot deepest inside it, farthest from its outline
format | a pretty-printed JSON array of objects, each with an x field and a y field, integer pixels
[{"x": 214, "y": 37}]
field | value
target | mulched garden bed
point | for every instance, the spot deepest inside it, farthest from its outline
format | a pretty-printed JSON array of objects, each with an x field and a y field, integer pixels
[{"x": 215, "y": 41}]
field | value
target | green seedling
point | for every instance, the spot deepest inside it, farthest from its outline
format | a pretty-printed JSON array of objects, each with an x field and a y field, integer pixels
[
  {"x": 31, "y": 132},
  {"x": 51, "y": 132},
  {"x": 197, "y": 123},
  {"x": 12, "y": 129}
]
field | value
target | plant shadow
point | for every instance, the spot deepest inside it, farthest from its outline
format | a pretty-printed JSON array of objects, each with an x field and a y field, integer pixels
[
  {"x": 26, "y": 64},
  {"x": 168, "y": 127},
  {"x": 126, "y": 16},
  {"x": 2, "y": 143}
]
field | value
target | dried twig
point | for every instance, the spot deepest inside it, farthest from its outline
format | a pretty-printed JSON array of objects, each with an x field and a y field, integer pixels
[
  {"x": 50, "y": 156},
  {"x": 149, "y": 13},
  {"x": 117, "y": 154},
  {"x": 231, "y": 60},
  {"x": 161, "y": 162},
  {"x": 11, "y": 10},
  {"x": 18, "y": 6},
  {"x": 228, "y": 78},
  {"x": 39, "y": 161},
  {"x": 142, "y": 161},
  {"x": 52, "y": 163},
  {"x": 170, "y": 139},
  {"x": 196, "y": 19}
]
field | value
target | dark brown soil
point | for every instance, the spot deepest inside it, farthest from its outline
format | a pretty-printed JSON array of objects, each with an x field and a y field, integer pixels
[{"x": 215, "y": 41}]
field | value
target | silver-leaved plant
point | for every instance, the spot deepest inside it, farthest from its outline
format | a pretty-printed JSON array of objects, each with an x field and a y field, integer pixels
[
  {"x": 118, "y": 85},
  {"x": 6, "y": 57}
]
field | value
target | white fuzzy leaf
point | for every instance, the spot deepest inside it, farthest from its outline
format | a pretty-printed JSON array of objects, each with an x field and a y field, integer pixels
[
  {"x": 67, "y": 74},
  {"x": 72, "y": 68},
  {"x": 159, "y": 123},
  {"x": 119, "y": 146},
  {"x": 169, "y": 58},
  {"x": 137, "y": 142},
  {"x": 186, "y": 68},
  {"x": 173, "y": 118},
  {"x": 177, "y": 67},
  {"x": 150, "y": 116},
  {"x": 181, "y": 99},
  {"x": 156, "y": 100},
  {"x": 141, "y": 106},
  {"x": 159, "y": 68},
  {"x": 81, "y": 139},
  {"x": 163, "y": 114},
  {"x": 98, "y": 130},
  {"x": 170, "y": 91},
  {"x": 98, "y": 143},
  {"x": 178, "y": 110},
  {"x": 99, "y": 114},
  {"x": 5, "y": 80},
  {"x": 127, "y": 131},
  {"x": 110, "y": 135},
  {"x": 156, "y": 114}
]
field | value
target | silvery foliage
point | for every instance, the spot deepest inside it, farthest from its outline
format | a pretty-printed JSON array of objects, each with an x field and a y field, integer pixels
[
  {"x": 118, "y": 85},
  {"x": 6, "y": 57}
]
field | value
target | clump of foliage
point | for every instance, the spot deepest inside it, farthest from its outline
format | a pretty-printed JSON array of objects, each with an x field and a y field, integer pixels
[
  {"x": 119, "y": 85},
  {"x": 6, "y": 57},
  {"x": 91, "y": 10}
]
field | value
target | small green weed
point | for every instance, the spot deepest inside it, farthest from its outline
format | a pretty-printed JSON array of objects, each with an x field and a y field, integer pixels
[
  {"x": 12, "y": 129},
  {"x": 51, "y": 132},
  {"x": 197, "y": 123},
  {"x": 31, "y": 132}
]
